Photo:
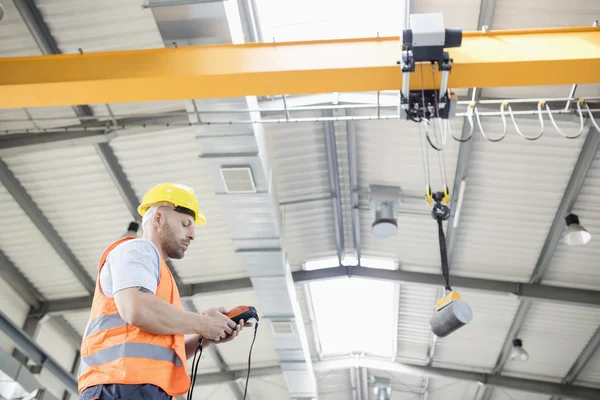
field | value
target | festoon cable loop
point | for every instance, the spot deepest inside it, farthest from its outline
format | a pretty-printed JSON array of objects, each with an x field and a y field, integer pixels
[
  {"x": 503, "y": 123},
  {"x": 580, "y": 121},
  {"x": 517, "y": 127}
]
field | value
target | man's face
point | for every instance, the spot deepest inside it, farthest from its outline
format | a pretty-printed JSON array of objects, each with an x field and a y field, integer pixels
[{"x": 176, "y": 231}]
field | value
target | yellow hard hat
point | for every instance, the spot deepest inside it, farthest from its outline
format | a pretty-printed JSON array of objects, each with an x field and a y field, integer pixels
[{"x": 181, "y": 196}]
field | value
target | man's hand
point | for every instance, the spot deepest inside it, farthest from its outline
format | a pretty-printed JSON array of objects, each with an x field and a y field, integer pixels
[
  {"x": 215, "y": 325},
  {"x": 231, "y": 336}
]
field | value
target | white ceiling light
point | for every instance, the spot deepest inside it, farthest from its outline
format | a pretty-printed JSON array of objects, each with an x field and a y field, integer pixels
[
  {"x": 575, "y": 234},
  {"x": 518, "y": 353},
  {"x": 384, "y": 210}
]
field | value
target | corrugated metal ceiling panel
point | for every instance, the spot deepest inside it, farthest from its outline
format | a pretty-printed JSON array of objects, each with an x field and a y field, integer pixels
[
  {"x": 308, "y": 231},
  {"x": 53, "y": 117},
  {"x": 266, "y": 387},
  {"x": 74, "y": 191},
  {"x": 15, "y": 37},
  {"x": 392, "y": 152},
  {"x": 235, "y": 353},
  {"x": 477, "y": 345},
  {"x": 299, "y": 158},
  {"x": 508, "y": 394},
  {"x": 512, "y": 193},
  {"x": 106, "y": 26},
  {"x": 462, "y": 14},
  {"x": 29, "y": 250},
  {"x": 554, "y": 335},
  {"x": 415, "y": 246},
  {"x": 172, "y": 156},
  {"x": 578, "y": 265},
  {"x": 334, "y": 385},
  {"x": 414, "y": 332},
  {"x": 298, "y": 154},
  {"x": 78, "y": 320},
  {"x": 590, "y": 375},
  {"x": 447, "y": 389},
  {"x": 514, "y": 14},
  {"x": 15, "y": 119}
]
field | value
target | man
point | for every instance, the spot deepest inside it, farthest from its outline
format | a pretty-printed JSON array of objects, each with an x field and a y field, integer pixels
[{"x": 134, "y": 346}]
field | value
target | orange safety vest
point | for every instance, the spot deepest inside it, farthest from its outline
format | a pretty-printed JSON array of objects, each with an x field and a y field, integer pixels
[{"x": 114, "y": 352}]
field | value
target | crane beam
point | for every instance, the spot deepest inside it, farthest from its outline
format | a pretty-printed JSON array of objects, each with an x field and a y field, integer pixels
[{"x": 555, "y": 56}]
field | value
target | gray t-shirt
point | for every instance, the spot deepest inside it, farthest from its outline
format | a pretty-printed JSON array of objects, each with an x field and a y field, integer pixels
[{"x": 132, "y": 263}]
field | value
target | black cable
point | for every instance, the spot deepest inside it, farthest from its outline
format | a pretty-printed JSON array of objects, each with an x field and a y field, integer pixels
[
  {"x": 249, "y": 360},
  {"x": 195, "y": 364}
]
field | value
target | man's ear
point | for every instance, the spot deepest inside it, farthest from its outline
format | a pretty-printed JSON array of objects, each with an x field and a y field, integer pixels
[{"x": 157, "y": 217}]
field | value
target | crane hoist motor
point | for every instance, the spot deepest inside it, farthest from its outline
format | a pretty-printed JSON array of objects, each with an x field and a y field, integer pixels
[{"x": 424, "y": 42}]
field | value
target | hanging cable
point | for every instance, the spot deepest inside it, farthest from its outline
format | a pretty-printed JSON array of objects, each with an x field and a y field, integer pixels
[
  {"x": 580, "y": 121},
  {"x": 539, "y": 106},
  {"x": 194, "y": 371},
  {"x": 592, "y": 119},
  {"x": 502, "y": 107},
  {"x": 237, "y": 314}
]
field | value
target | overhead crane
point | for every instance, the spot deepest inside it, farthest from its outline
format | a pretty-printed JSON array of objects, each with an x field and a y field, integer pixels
[{"x": 557, "y": 56}]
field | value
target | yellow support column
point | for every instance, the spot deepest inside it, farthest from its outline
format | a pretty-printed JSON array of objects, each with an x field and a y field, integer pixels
[{"x": 492, "y": 59}]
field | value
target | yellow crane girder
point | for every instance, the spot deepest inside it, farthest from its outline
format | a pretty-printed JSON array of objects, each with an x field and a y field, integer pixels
[{"x": 490, "y": 59}]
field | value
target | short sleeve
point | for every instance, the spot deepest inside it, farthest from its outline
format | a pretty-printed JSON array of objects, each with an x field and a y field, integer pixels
[{"x": 134, "y": 263}]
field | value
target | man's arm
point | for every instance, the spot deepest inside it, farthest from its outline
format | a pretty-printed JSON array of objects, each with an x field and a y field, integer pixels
[{"x": 140, "y": 307}]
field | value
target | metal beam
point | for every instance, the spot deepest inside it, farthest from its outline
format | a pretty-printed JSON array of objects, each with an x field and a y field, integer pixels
[
  {"x": 354, "y": 195},
  {"x": 21, "y": 196},
  {"x": 528, "y": 385},
  {"x": 30, "y": 327},
  {"x": 37, "y": 26},
  {"x": 110, "y": 161},
  {"x": 523, "y": 290},
  {"x": 35, "y": 352},
  {"x": 492, "y": 59},
  {"x": 20, "y": 374},
  {"x": 13, "y": 276},
  {"x": 334, "y": 180}
]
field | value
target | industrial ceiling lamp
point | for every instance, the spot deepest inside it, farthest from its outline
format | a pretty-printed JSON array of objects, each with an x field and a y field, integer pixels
[
  {"x": 575, "y": 234},
  {"x": 518, "y": 353},
  {"x": 1, "y": 11},
  {"x": 384, "y": 210}
]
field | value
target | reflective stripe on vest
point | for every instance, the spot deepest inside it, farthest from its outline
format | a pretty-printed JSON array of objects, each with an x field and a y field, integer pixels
[
  {"x": 136, "y": 350},
  {"x": 103, "y": 322}
]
